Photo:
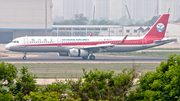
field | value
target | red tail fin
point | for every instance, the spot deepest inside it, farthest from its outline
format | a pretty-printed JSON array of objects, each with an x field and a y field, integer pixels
[{"x": 159, "y": 28}]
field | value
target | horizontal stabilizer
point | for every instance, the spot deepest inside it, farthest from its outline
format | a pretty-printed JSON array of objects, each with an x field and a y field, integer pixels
[{"x": 164, "y": 41}]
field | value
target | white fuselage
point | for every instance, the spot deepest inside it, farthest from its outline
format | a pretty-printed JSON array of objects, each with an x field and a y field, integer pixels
[{"x": 63, "y": 44}]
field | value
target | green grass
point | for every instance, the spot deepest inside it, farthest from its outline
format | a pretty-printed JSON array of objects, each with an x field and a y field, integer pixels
[
  {"x": 164, "y": 49},
  {"x": 74, "y": 70},
  {"x": 3, "y": 56},
  {"x": 147, "y": 54}
]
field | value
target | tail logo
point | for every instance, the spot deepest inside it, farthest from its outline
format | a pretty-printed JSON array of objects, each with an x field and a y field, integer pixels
[{"x": 160, "y": 27}]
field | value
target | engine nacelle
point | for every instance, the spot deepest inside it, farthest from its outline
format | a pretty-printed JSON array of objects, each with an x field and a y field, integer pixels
[
  {"x": 63, "y": 54},
  {"x": 78, "y": 53}
]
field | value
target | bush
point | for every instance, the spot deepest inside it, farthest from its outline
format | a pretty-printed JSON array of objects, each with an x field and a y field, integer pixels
[
  {"x": 8, "y": 72},
  {"x": 102, "y": 85},
  {"x": 25, "y": 83},
  {"x": 162, "y": 84},
  {"x": 10, "y": 90}
]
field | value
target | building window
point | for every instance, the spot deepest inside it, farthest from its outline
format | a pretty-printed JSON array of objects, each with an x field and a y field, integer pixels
[
  {"x": 135, "y": 31},
  {"x": 127, "y": 31}
]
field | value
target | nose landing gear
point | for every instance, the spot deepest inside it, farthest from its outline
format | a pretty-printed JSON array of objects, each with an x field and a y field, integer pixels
[{"x": 24, "y": 58}]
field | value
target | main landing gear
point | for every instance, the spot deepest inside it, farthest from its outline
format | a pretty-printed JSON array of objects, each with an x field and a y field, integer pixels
[
  {"x": 91, "y": 57},
  {"x": 85, "y": 57},
  {"x": 24, "y": 58}
]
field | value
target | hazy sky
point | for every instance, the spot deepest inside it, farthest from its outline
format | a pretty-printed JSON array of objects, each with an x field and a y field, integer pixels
[
  {"x": 57, "y": 8},
  {"x": 117, "y": 8}
]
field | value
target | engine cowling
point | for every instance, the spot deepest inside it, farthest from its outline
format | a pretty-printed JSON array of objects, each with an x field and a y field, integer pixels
[{"x": 78, "y": 53}]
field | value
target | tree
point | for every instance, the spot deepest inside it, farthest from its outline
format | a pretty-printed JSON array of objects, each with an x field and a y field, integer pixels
[
  {"x": 8, "y": 72},
  {"x": 102, "y": 85},
  {"x": 162, "y": 84},
  {"x": 152, "y": 21},
  {"x": 10, "y": 90},
  {"x": 52, "y": 92},
  {"x": 93, "y": 22},
  {"x": 64, "y": 22},
  {"x": 25, "y": 83},
  {"x": 103, "y": 22},
  {"x": 177, "y": 21},
  {"x": 80, "y": 19}
]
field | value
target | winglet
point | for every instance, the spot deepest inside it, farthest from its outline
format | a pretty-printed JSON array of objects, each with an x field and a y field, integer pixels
[
  {"x": 123, "y": 39},
  {"x": 90, "y": 34}
]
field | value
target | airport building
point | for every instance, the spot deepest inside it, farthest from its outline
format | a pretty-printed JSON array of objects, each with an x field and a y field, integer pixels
[
  {"x": 24, "y": 17},
  {"x": 111, "y": 30},
  {"x": 86, "y": 30}
]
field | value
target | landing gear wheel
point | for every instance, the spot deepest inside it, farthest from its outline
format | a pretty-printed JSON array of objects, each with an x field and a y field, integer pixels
[
  {"x": 92, "y": 57},
  {"x": 24, "y": 58},
  {"x": 85, "y": 58}
]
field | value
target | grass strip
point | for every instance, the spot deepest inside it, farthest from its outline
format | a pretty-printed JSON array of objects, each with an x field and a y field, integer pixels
[
  {"x": 164, "y": 49},
  {"x": 143, "y": 54},
  {"x": 74, "y": 70}
]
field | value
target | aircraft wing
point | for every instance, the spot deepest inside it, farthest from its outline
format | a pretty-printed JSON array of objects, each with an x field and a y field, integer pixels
[{"x": 99, "y": 47}]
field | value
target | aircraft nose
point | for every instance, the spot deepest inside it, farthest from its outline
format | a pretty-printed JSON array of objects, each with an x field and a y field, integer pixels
[{"x": 7, "y": 47}]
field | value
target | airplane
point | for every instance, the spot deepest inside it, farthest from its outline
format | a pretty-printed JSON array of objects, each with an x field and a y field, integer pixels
[{"x": 85, "y": 46}]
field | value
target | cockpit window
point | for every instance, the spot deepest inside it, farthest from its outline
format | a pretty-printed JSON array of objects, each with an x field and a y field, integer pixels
[{"x": 14, "y": 41}]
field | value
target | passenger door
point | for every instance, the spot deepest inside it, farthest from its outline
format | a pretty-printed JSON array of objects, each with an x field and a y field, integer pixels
[
  {"x": 25, "y": 42},
  {"x": 144, "y": 42},
  {"x": 59, "y": 42}
]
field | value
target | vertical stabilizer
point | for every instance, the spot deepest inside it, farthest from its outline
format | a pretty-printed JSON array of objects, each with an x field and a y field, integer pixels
[{"x": 159, "y": 28}]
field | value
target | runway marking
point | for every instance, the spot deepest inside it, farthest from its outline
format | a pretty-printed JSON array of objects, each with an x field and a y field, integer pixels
[
  {"x": 80, "y": 62},
  {"x": 50, "y": 81}
]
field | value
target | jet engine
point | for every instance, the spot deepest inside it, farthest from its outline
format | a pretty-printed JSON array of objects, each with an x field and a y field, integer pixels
[{"x": 78, "y": 53}]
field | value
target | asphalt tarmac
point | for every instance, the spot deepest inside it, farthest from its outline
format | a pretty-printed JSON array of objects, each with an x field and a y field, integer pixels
[{"x": 54, "y": 58}]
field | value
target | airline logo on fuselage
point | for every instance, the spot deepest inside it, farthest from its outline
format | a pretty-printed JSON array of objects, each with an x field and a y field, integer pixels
[{"x": 160, "y": 27}]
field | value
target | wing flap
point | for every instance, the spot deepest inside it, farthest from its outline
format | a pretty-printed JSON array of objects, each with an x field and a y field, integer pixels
[{"x": 96, "y": 46}]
